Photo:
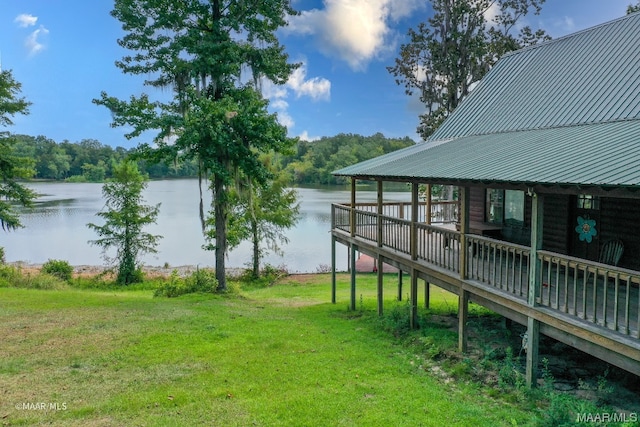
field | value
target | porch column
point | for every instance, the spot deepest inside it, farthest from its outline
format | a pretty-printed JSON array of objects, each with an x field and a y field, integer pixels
[
  {"x": 399, "y": 285},
  {"x": 352, "y": 214},
  {"x": 333, "y": 269},
  {"x": 463, "y": 295},
  {"x": 380, "y": 262},
  {"x": 380, "y": 212},
  {"x": 427, "y": 206},
  {"x": 427, "y": 220},
  {"x": 533, "y": 326},
  {"x": 414, "y": 255},
  {"x": 463, "y": 195}
]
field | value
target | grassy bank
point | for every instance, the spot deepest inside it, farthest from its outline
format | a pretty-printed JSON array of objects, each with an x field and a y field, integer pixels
[{"x": 266, "y": 356}]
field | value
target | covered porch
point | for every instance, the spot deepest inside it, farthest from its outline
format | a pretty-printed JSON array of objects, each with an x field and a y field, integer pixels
[{"x": 586, "y": 304}]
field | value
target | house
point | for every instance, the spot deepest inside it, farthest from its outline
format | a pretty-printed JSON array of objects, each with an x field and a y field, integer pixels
[{"x": 545, "y": 156}]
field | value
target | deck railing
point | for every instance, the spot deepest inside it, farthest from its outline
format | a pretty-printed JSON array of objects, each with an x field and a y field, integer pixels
[
  {"x": 438, "y": 246},
  {"x": 602, "y": 294},
  {"x": 597, "y": 293},
  {"x": 442, "y": 212},
  {"x": 500, "y": 264}
]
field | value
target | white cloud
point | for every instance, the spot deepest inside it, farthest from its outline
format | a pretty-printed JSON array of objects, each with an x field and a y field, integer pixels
[
  {"x": 356, "y": 31},
  {"x": 317, "y": 88},
  {"x": 25, "y": 20},
  {"x": 285, "y": 119},
  {"x": 305, "y": 137},
  {"x": 492, "y": 12},
  {"x": 33, "y": 41}
]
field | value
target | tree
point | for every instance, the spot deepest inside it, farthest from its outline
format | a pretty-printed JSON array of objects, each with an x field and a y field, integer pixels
[
  {"x": 125, "y": 217},
  {"x": 12, "y": 167},
  {"x": 455, "y": 49},
  {"x": 261, "y": 213},
  {"x": 632, "y": 8},
  {"x": 213, "y": 54}
]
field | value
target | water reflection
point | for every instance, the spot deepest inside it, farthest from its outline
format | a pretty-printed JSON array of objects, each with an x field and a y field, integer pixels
[{"x": 56, "y": 226}]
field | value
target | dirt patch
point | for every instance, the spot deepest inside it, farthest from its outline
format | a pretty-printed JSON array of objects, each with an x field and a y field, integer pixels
[{"x": 573, "y": 371}]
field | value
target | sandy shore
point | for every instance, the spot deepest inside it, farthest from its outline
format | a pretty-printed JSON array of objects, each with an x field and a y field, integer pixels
[{"x": 153, "y": 271}]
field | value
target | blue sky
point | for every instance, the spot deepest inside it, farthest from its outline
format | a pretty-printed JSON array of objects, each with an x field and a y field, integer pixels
[{"x": 63, "y": 53}]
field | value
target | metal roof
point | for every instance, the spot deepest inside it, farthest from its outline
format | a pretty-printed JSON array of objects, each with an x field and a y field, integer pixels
[
  {"x": 587, "y": 77},
  {"x": 569, "y": 155},
  {"x": 564, "y": 112}
]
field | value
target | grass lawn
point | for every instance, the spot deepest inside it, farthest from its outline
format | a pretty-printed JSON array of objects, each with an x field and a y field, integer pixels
[{"x": 278, "y": 355}]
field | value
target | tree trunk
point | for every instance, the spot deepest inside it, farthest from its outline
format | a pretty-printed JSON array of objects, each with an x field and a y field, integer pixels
[
  {"x": 220, "y": 207},
  {"x": 256, "y": 248}
]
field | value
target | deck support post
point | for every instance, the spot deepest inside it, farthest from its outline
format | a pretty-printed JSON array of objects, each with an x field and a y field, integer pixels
[
  {"x": 463, "y": 310},
  {"x": 333, "y": 269},
  {"x": 399, "y": 285},
  {"x": 413, "y": 319},
  {"x": 533, "y": 325},
  {"x": 427, "y": 293},
  {"x": 352, "y": 304},
  {"x": 380, "y": 286}
]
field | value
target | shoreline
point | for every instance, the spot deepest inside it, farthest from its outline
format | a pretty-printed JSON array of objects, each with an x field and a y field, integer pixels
[{"x": 150, "y": 270}]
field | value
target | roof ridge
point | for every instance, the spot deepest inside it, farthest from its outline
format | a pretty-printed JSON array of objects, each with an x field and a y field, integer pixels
[
  {"x": 571, "y": 35},
  {"x": 570, "y": 125}
]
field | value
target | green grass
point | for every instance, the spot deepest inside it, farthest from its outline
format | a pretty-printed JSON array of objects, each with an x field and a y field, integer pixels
[{"x": 268, "y": 356}]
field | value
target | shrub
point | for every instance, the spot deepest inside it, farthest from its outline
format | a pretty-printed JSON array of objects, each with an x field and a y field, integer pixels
[
  {"x": 58, "y": 268},
  {"x": 3, "y": 260},
  {"x": 11, "y": 276},
  {"x": 203, "y": 281}
]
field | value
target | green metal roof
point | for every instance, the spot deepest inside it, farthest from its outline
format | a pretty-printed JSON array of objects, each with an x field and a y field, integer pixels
[
  {"x": 588, "y": 77},
  {"x": 563, "y": 112},
  {"x": 569, "y": 155}
]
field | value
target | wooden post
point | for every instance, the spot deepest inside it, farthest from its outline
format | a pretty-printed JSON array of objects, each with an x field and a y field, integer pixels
[
  {"x": 463, "y": 309},
  {"x": 353, "y": 207},
  {"x": 333, "y": 269},
  {"x": 427, "y": 294},
  {"x": 463, "y": 295},
  {"x": 380, "y": 211},
  {"x": 414, "y": 255},
  {"x": 414, "y": 219},
  {"x": 352, "y": 305},
  {"x": 427, "y": 206},
  {"x": 413, "y": 320},
  {"x": 380, "y": 285},
  {"x": 463, "y": 195},
  {"x": 533, "y": 326},
  {"x": 399, "y": 285}
]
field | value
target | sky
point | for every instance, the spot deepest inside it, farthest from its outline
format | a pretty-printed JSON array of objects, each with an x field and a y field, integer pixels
[{"x": 64, "y": 52}]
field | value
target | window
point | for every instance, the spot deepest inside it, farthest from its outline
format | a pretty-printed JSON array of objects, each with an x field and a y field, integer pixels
[
  {"x": 505, "y": 207},
  {"x": 587, "y": 201}
]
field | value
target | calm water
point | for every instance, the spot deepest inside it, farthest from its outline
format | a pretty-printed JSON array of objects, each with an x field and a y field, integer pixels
[{"x": 56, "y": 227}]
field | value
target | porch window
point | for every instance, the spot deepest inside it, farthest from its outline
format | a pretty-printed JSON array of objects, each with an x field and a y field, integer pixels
[
  {"x": 589, "y": 202},
  {"x": 505, "y": 207}
]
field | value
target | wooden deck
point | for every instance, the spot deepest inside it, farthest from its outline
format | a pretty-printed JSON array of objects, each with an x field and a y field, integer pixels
[{"x": 593, "y": 307}]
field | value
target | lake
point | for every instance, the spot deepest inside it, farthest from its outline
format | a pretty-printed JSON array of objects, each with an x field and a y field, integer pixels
[{"x": 57, "y": 227}]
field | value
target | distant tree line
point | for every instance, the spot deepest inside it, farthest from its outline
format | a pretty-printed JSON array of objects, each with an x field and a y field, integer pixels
[
  {"x": 313, "y": 162},
  {"x": 91, "y": 161}
]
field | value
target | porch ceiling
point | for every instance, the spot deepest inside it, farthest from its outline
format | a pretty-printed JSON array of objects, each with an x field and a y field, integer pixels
[{"x": 599, "y": 154}]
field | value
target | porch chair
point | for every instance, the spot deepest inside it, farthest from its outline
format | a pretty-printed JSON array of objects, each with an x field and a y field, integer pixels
[{"x": 611, "y": 252}]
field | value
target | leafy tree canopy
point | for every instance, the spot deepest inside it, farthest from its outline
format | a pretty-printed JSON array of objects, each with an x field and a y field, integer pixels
[
  {"x": 456, "y": 47},
  {"x": 12, "y": 166},
  {"x": 213, "y": 54}
]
